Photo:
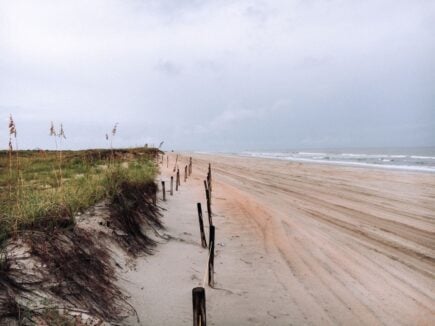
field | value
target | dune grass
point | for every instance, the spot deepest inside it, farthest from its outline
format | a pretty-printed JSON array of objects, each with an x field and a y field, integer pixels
[{"x": 42, "y": 189}]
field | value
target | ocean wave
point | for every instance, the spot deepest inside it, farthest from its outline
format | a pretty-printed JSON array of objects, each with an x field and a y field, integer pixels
[
  {"x": 423, "y": 157},
  {"x": 401, "y": 162},
  {"x": 308, "y": 153},
  {"x": 363, "y": 164}
]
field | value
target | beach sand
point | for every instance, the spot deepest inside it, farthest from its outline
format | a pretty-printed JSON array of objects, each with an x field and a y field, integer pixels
[{"x": 297, "y": 244}]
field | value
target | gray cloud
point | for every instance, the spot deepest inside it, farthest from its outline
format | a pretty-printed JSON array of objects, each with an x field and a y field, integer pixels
[
  {"x": 222, "y": 75},
  {"x": 168, "y": 68}
]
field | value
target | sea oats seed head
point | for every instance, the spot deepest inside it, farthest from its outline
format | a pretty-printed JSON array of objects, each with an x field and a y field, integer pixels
[
  {"x": 115, "y": 128},
  {"x": 62, "y": 132},
  {"x": 12, "y": 127},
  {"x": 52, "y": 130}
]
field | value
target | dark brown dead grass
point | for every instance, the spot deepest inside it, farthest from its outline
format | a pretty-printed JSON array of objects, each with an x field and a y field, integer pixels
[
  {"x": 133, "y": 213},
  {"x": 79, "y": 271},
  {"x": 77, "y": 268}
]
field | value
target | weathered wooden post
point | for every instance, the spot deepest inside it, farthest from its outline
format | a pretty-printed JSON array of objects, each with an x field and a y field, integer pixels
[
  {"x": 172, "y": 185},
  {"x": 167, "y": 161},
  {"x": 175, "y": 165},
  {"x": 211, "y": 243},
  {"x": 210, "y": 220},
  {"x": 190, "y": 165},
  {"x": 207, "y": 196},
  {"x": 198, "y": 302},
  {"x": 209, "y": 186},
  {"x": 177, "y": 180},
  {"x": 209, "y": 177},
  {"x": 201, "y": 226},
  {"x": 185, "y": 173},
  {"x": 155, "y": 197},
  {"x": 163, "y": 191},
  {"x": 205, "y": 185}
]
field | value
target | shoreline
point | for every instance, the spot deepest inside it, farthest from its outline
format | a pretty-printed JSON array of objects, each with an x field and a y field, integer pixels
[{"x": 331, "y": 162}]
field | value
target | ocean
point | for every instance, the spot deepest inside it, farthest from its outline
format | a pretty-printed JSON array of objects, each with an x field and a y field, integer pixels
[{"x": 413, "y": 159}]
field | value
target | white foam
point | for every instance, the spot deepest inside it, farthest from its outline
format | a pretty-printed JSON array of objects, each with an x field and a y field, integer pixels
[
  {"x": 308, "y": 153},
  {"x": 423, "y": 157},
  {"x": 397, "y": 156},
  {"x": 323, "y": 160}
]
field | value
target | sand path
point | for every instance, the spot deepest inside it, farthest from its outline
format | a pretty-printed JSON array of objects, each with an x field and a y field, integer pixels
[{"x": 296, "y": 244}]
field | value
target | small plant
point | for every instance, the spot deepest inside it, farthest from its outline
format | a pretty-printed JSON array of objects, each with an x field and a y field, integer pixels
[
  {"x": 58, "y": 146},
  {"x": 115, "y": 128},
  {"x": 110, "y": 140},
  {"x": 53, "y": 134},
  {"x": 12, "y": 133},
  {"x": 61, "y": 136}
]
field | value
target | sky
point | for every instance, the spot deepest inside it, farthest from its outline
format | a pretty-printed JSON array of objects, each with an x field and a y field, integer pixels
[{"x": 219, "y": 75}]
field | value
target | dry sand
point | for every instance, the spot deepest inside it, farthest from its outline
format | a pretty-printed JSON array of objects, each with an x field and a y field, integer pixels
[{"x": 297, "y": 244}]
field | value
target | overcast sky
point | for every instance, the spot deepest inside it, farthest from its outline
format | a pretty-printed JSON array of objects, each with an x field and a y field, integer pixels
[{"x": 219, "y": 75}]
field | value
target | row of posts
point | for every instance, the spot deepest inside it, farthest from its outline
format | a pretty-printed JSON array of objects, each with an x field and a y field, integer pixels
[
  {"x": 187, "y": 172},
  {"x": 198, "y": 293}
]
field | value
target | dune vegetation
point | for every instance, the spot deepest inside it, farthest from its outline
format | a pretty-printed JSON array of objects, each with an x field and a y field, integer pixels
[
  {"x": 42, "y": 193},
  {"x": 43, "y": 189},
  {"x": 48, "y": 251}
]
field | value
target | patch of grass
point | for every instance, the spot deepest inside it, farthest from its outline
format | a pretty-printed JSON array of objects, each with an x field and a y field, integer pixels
[
  {"x": 34, "y": 195},
  {"x": 53, "y": 317}
]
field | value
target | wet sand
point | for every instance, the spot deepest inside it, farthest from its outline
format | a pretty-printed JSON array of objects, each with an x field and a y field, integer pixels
[{"x": 297, "y": 244}]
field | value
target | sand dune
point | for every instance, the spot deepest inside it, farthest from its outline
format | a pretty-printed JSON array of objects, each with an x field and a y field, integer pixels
[{"x": 308, "y": 244}]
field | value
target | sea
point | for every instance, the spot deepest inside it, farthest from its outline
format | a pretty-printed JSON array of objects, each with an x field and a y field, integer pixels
[{"x": 412, "y": 159}]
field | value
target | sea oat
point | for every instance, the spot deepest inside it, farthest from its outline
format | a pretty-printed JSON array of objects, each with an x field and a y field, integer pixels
[
  {"x": 52, "y": 130},
  {"x": 12, "y": 128},
  {"x": 62, "y": 132},
  {"x": 115, "y": 127}
]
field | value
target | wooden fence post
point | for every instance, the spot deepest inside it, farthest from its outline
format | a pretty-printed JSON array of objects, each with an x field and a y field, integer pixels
[
  {"x": 172, "y": 185},
  {"x": 211, "y": 243},
  {"x": 178, "y": 176},
  {"x": 177, "y": 180},
  {"x": 210, "y": 220},
  {"x": 167, "y": 161},
  {"x": 175, "y": 165},
  {"x": 155, "y": 197},
  {"x": 201, "y": 226},
  {"x": 185, "y": 173},
  {"x": 207, "y": 196},
  {"x": 198, "y": 302},
  {"x": 209, "y": 187},
  {"x": 190, "y": 165},
  {"x": 163, "y": 191},
  {"x": 209, "y": 177},
  {"x": 205, "y": 185}
]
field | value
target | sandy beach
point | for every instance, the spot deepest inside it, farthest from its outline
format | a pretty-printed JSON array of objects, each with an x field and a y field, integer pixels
[
  {"x": 297, "y": 244},
  {"x": 316, "y": 117}
]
